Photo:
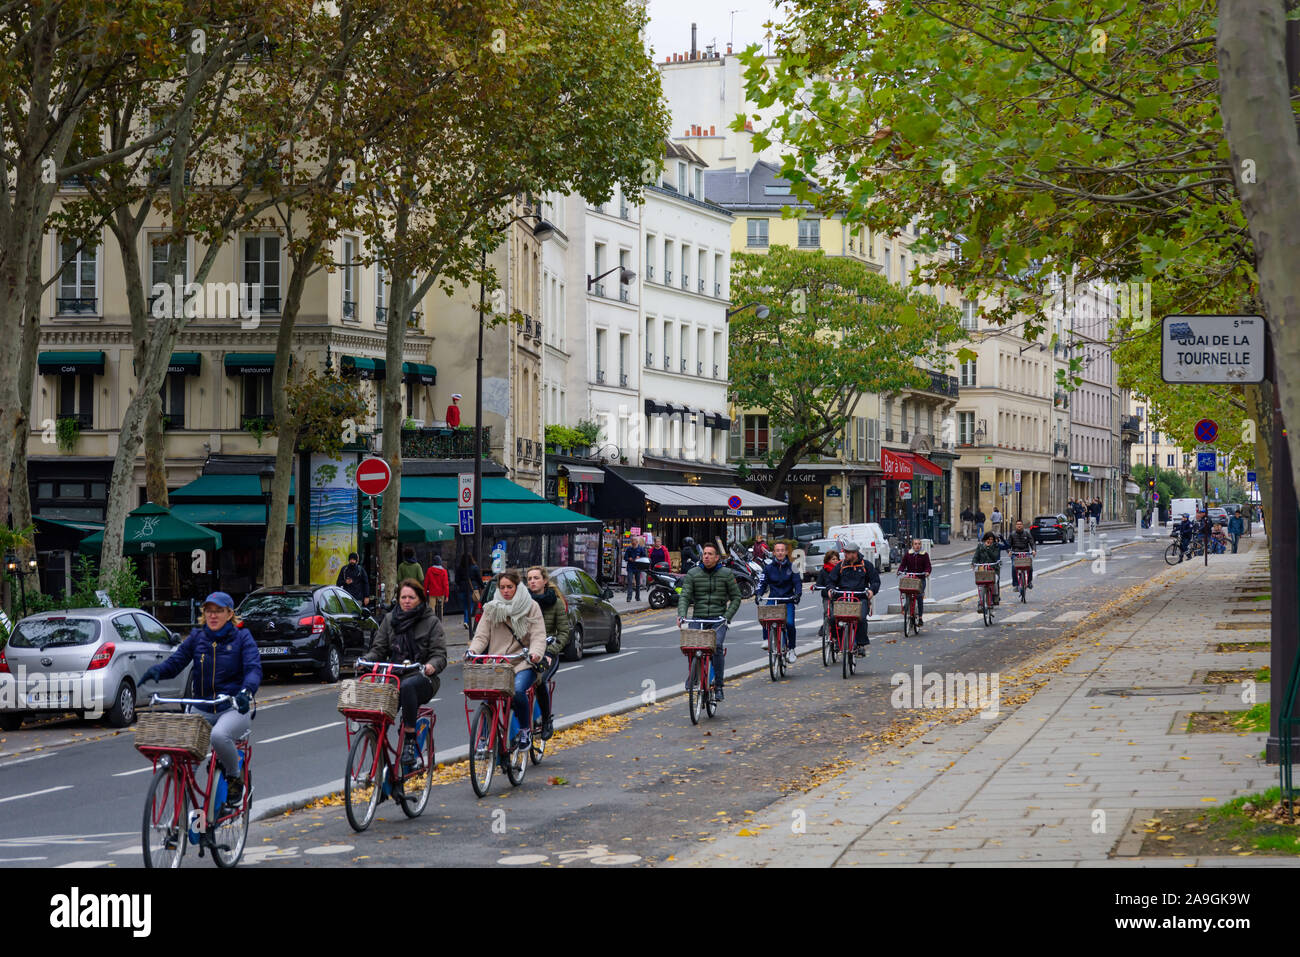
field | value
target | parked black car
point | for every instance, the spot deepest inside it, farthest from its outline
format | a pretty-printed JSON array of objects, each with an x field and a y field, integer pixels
[
  {"x": 1052, "y": 528},
  {"x": 303, "y": 627},
  {"x": 592, "y": 619}
]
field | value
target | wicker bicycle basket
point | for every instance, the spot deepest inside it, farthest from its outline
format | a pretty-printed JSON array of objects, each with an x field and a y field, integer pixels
[
  {"x": 173, "y": 732},
  {"x": 846, "y": 609},
  {"x": 909, "y": 584},
  {"x": 771, "y": 613},
  {"x": 499, "y": 678},
  {"x": 1026, "y": 562},
  {"x": 368, "y": 696},
  {"x": 705, "y": 639},
  {"x": 985, "y": 576}
]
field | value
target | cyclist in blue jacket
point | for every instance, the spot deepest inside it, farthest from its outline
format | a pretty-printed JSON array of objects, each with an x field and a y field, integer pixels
[
  {"x": 780, "y": 580},
  {"x": 226, "y": 661}
]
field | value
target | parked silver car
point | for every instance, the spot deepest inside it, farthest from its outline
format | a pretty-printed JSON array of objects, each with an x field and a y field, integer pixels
[{"x": 84, "y": 660}]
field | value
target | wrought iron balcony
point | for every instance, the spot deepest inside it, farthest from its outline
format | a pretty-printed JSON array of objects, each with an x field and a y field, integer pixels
[
  {"x": 699, "y": 368},
  {"x": 84, "y": 420},
  {"x": 683, "y": 365},
  {"x": 668, "y": 363},
  {"x": 622, "y": 379},
  {"x": 600, "y": 289},
  {"x": 381, "y": 315},
  {"x": 686, "y": 281},
  {"x": 600, "y": 376},
  {"x": 649, "y": 272},
  {"x": 649, "y": 359},
  {"x": 701, "y": 287},
  {"x": 717, "y": 289},
  {"x": 624, "y": 295},
  {"x": 715, "y": 372},
  {"x": 889, "y": 435},
  {"x": 942, "y": 384},
  {"x": 668, "y": 277},
  {"x": 77, "y": 305},
  {"x": 443, "y": 443},
  {"x": 415, "y": 320},
  {"x": 350, "y": 309}
]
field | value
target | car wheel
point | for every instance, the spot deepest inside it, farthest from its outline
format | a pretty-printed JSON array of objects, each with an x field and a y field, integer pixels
[
  {"x": 615, "y": 643},
  {"x": 573, "y": 650},
  {"x": 11, "y": 721},
  {"x": 329, "y": 671},
  {"x": 123, "y": 711}
]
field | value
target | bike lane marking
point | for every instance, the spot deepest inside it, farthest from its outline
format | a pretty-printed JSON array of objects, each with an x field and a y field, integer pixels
[
  {"x": 616, "y": 657},
  {"x": 1022, "y": 616},
  {"x": 17, "y": 797},
  {"x": 294, "y": 734}
]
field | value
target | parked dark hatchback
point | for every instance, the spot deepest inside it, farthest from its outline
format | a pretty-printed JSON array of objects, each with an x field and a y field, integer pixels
[
  {"x": 315, "y": 627},
  {"x": 1052, "y": 528},
  {"x": 593, "y": 621}
]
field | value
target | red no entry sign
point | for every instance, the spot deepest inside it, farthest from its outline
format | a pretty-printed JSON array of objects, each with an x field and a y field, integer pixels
[
  {"x": 904, "y": 488},
  {"x": 373, "y": 476}
]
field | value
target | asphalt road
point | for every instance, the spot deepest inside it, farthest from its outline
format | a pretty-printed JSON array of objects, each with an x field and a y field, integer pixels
[{"x": 82, "y": 803}]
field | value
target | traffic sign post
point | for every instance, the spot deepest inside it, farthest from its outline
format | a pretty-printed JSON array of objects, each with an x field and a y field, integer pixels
[
  {"x": 373, "y": 476},
  {"x": 1225, "y": 349},
  {"x": 905, "y": 490},
  {"x": 465, "y": 502},
  {"x": 1205, "y": 462},
  {"x": 1207, "y": 430}
]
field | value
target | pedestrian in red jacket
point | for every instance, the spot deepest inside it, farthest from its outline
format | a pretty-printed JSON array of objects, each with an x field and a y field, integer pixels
[{"x": 436, "y": 585}]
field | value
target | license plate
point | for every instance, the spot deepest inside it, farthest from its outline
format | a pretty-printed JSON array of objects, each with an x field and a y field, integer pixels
[
  {"x": 275, "y": 650},
  {"x": 50, "y": 700}
]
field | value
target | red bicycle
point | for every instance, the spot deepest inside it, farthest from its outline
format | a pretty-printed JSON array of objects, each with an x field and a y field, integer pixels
[
  {"x": 373, "y": 773},
  {"x": 1022, "y": 563},
  {"x": 847, "y": 614},
  {"x": 177, "y": 811},
  {"x": 986, "y": 577},
  {"x": 909, "y": 589},
  {"x": 490, "y": 680},
  {"x": 773, "y": 617},
  {"x": 699, "y": 645}
]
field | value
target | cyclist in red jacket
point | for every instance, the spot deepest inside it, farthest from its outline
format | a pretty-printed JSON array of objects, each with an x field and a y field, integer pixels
[{"x": 918, "y": 563}]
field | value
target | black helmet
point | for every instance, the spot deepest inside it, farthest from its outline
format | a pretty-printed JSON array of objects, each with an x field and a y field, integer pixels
[{"x": 688, "y": 540}]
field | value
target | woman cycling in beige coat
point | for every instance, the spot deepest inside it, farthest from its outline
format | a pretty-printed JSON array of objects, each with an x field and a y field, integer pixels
[{"x": 512, "y": 622}]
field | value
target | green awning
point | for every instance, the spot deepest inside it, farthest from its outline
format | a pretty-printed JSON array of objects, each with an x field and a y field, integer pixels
[
  {"x": 413, "y": 525},
  {"x": 64, "y": 525},
  {"x": 508, "y": 514},
  {"x": 250, "y": 363},
  {"x": 70, "y": 363},
  {"x": 419, "y": 373},
  {"x": 186, "y": 363},
  {"x": 207, "y": 488},
  {"x": 363, "y": 367},
  {"x": 433, "y": 487},
  {"x": 241, "y": 513},
  {"x": 153, "y": 525}
]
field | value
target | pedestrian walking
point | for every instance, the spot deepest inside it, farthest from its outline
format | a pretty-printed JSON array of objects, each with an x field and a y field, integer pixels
[
  {"x": 1234, "y": 529},
  {"x": 634, "y": 550},
  {"x": 469, "y": 581},
  {"x": 979, "y": 523},
  {"x": 996, "y": 519},
  {"x": 354, "y": 580},
  {"x": 436, "y": 586},
  {"x": 409, "y": 568},
  {"x": 967, "y": 520}
]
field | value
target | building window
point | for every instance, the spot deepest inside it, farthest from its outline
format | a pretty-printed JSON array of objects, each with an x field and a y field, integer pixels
[
  {"x": 1155, "y": 437},
  {"x": 699, "y": 184},
  {"x": 965, "y": 428},
  {"x": 600, "y": 355},
  {"x": 77, "y": 398},
  {"x": 262, "y": 267},
  {"x": 173, "y": 400},
  {"x": 78, "y": 279},
  {"x": 258, "y": 403},
  {"x": 967, "y": 373},
  {"x": 1169, "y": 460},
  {"x": 756, "y": 232},
  {"x": 158, "y": 253},
  {"x": 381, "y": 295},
  {"x": 681, "y": 178},
  {"x": 756, "y": 435},
  {"x": 350, "y": 278},
  {"x": 873, "y": 440},
  {"x": 968, "y": 320},
  {"x": 810, "y": 232},
  {"x": 888, "y": 259},
  {"x": 623, "y": 340}
]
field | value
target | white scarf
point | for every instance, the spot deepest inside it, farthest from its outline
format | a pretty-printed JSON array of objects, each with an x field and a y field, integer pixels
[{"x": 513, "y": 613}]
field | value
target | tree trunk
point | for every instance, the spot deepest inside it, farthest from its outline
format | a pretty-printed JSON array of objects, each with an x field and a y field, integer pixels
[
  {"x": 155, "y": 454},
  {"x": 1259, "y": 123},
  {"x": 394, "y": 416},
  {"x": 286, "y": 424},
  {"x": 21, "y": 503},
  {"x": 1259, "y": 405}
]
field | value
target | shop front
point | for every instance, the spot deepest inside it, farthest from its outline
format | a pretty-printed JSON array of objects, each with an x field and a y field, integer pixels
[{"x": 915, "y": 492}]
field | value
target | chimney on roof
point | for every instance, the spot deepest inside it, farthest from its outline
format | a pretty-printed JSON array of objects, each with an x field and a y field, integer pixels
[
  {"x": 728, "y": 49},
  {"x": 692, "y": 41},
  {"x": 711, "y": 133}
]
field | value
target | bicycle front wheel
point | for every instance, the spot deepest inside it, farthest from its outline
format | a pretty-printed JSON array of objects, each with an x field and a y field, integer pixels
[
  {"x": 1173, "y": 555},
  {"x": 988, "y": 608},
  {"x": 362, "y": 784},
  {"x": 694, "y": 693},
  {"x": 230, "y": 836},
  {"x": 847, "y": 648},
  {"x": 773, "y": 635},
  {"x": 482, "y": 760},
  {"x": 516, "y": 765},
  {"x": 164, "y": 832},
  {"x": 418, "y": 785},
  {"x": 828, "y": 648}
]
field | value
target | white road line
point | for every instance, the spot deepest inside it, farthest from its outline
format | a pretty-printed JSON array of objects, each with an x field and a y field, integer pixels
[
  {"x": 34, "y": 757},
  {"x": 1023, "y": 616},
  {"x": 967, "y": 618},
  {"x": 83, "y": 864},
  {"x": 133, "y": 849},
  {"x": 622, "y": 654},
  {"x": 1071, "y": 616},
  {"x": 32, "y": 794},
  {"x": 294, "y": 734},
  {"x": 127, "y": 774},
  {"x": 12, "y": 860},
  {"x": 570, "y": 668}
]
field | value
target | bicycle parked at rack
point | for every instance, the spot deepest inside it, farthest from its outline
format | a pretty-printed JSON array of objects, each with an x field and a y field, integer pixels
[
  {"x": 773, "y": 617},
  {"x": 373, "y": 775},
  {"x": 699, "y": 645},
  {"x": 177, "y": 812}
]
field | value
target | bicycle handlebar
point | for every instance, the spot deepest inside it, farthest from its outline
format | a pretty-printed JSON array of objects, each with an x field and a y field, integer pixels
[
  {"x": 704, "y": 621},
  {"x": 758, "y": 598},
  {"x": 985, "y": 567},
  {"x": 219, "y": 699},
  {"x": 405, "y": 667},
  {"x": 499, "y": 658}
]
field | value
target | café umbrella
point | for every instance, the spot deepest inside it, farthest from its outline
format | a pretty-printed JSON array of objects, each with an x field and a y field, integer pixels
[{"x": 152, "y": 529}]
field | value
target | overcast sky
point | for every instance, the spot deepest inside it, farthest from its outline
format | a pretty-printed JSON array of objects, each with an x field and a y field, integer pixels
[{"x": 669, "y": 30}]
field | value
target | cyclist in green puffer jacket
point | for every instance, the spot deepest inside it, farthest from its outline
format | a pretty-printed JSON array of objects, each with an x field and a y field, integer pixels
[
  {"x": 711, "y": 588},
  {"x": 555, "y": 612}
]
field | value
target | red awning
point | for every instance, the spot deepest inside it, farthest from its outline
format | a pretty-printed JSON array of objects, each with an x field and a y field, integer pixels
[{"x": 905, "y": 465}]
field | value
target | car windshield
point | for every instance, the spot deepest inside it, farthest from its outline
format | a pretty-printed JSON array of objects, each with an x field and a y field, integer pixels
[
  {"x": 821, "y": 546},
  {"x": 51, "y": 632},
  {"x": 276, "y": 606},
  {"x": 1046, "y": 520}
]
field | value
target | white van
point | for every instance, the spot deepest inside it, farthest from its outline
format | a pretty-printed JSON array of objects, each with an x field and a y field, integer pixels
[
  {"x": 1178, "y": 506},
  {"x": 870, "y": 537}
]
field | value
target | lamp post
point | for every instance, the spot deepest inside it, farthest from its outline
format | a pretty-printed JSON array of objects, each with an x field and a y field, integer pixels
[
  {"x": 625, "y": 276},
  {"x": 543, "y": 231},
  {"x": 21, "y": 570},
  {"x": 760, "y": 310}
]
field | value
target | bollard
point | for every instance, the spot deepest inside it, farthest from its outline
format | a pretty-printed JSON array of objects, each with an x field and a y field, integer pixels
[
  {"x": 1080, "y": 532},
  {"x": 1137, "y": 526}
]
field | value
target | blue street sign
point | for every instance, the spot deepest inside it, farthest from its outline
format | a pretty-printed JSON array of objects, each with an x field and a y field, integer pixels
[
  {"x": 1017, "y": 486},
  {"x": 1250, "y": 477},
  {"x": 1205, "y": 461},
  {"x": 466, "y": 521}
]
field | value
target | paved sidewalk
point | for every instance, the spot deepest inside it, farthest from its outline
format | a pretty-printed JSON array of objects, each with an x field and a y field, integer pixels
[{"x": 1026, "y": 787}]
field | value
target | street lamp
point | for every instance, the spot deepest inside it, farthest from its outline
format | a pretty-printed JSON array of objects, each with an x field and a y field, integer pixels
[
  {"x": 21, "y": 570},
  {"x": 625, "y": 276},
  {"x": 761, "y": 311},
  {"x": 542, "y": 231}
]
